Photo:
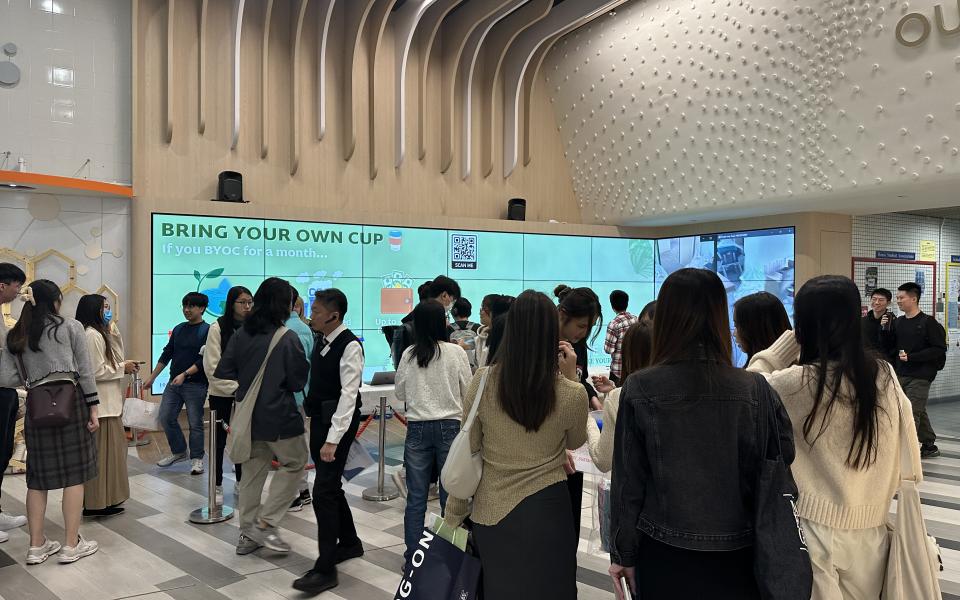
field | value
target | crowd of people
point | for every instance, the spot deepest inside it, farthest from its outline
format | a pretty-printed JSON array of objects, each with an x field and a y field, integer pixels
[{"x": 675, "y": 422}]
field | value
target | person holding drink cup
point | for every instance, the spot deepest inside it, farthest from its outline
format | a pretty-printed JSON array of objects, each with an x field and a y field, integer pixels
[{"x": 919, "y": 343}]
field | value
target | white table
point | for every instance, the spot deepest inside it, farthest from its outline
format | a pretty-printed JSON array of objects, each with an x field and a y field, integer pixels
[{"x": 370, "y": 395}]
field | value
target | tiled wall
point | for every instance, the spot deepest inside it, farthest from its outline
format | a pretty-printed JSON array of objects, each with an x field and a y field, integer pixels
[
  {"x": 73, "y": 101},
  {"x": 904, "y": 233},
  {"x": 93, "y": 234}
]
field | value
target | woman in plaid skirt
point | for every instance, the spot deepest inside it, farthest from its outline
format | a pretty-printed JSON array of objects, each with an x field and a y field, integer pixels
[{"x": 45, "y": 348}]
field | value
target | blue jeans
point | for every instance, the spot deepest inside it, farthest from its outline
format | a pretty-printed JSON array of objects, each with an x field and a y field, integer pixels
[
  {"x": 424, "y": 453},
  {"x": 174, "y": 397}
]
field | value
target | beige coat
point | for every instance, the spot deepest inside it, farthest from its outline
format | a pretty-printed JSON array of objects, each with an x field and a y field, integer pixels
[{"x": 111, "y": 380}]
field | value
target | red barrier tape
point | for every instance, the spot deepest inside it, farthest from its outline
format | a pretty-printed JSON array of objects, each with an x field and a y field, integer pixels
[{"x": 365, "y": 424}]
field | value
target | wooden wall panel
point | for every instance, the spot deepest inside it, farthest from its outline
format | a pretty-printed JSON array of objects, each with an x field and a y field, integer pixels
[{"x": 186, "y": 169}]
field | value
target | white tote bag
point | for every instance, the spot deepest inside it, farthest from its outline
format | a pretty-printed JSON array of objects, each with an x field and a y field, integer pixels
[
  {"x": 463, "y": 468},
  {"x": 141, "y": 414},
  {"x": 913, "y": 565},
  {"x": 239, "y": 443}
]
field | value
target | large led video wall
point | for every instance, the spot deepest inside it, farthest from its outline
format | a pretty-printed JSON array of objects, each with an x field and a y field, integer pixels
[{"x": 380, "y": 268}]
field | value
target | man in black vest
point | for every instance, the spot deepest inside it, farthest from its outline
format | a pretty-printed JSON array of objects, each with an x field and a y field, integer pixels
[{"x": 333, "y": 405}]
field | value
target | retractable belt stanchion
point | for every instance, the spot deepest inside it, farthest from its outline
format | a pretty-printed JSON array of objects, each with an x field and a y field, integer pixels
[
  {"x": 381, "y": 493},
  {"x": 135, "y": 440},
  {"x": 212, "y": 512}
]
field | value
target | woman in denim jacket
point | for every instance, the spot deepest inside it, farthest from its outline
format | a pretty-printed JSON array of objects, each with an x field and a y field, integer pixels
[{"x": 686, "y": 454}]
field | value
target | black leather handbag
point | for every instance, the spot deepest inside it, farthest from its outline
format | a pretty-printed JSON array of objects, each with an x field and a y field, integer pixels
[
  {"x": 50, "y": 404},
  {"x": 781, "y": 561}
]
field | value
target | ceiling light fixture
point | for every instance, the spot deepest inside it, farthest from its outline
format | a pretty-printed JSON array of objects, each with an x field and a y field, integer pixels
[{"x": 17, "y": 186}]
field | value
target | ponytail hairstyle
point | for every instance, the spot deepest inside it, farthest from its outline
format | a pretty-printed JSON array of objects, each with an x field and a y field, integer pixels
[
  {"x": 90, "y": 314},
  {"x": 39, "y": 314},
  {"x": 577, "y": 303}
]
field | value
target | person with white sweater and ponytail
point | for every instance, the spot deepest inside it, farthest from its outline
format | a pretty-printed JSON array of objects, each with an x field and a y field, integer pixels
[{"x": 845, "y": 405}]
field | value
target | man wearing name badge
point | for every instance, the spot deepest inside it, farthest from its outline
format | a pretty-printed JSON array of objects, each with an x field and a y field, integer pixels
[
  {"x": 11, "y": 278},
  {"x": 333, "y": 405}
]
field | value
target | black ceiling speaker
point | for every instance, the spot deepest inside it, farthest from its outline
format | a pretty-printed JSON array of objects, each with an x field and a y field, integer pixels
[
  {"x": 517, "y": 209},
  {"x": 230, "y": 187}
]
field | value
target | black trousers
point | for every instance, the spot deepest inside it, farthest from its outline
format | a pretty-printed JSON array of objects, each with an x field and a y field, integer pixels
[
  {"x": 527, "y": 556},
  {"x": 664, "y": 571},
  {"x": 334, "y": 518},
  {"x": 224, "y": 407},
  {"x": 575, "y": 488},
  {"x": 9, "y": 404}
]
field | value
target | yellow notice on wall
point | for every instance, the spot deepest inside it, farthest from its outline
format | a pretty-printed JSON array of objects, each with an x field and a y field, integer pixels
[{"x": 928, "y": 250}]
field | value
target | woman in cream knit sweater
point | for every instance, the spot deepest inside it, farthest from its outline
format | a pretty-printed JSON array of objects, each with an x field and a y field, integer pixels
[
  {"x": 637, "y": 347},
  {"x": 846, "y": 408}
]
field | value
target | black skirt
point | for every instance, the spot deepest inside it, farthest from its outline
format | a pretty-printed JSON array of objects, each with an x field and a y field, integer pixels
[
  {"x": 61, "y": 457},
  {"x": 665, "y": 571},
  {"x": 532, "y": 553}
]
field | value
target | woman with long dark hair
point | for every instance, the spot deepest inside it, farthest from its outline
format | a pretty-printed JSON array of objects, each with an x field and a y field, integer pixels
[
  {"x": 758, "y": 320},
  {"x": 276, "y": 428},
  {"x": 686, "y": 454},
  {"x": 221, "y": 391},
  {"x": 432, "y": 379},
  {"x": 531, "y": 412},
  {"x": 637, "y": 349},
  {"x": 579, "y": 314},
  {"x": 103, "y": 494},
  {"x": 846, "y": 405},
  {"x": 49, "y": 349}
]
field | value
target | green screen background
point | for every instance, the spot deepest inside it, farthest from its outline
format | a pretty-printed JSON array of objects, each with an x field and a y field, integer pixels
[{"x": 362, "y": 261}]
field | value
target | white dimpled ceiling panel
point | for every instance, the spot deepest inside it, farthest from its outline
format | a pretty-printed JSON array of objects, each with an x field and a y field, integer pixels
[{"x": 675, "y": 109}]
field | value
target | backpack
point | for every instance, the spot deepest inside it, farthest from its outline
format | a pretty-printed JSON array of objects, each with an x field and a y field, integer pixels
[
  {"x": 467, "y": 334},
  {"x": 402, "y": 339},
  {"x": 942, "y": 361}
]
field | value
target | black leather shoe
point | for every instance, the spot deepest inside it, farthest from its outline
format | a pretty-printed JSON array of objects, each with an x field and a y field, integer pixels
[
  {"x": 347, "y": 552},
  {"x": 315, "y": 582},
  {"x": 103, "y": 512}
]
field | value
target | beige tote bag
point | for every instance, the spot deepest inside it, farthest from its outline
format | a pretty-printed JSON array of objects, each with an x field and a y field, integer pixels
[
  {"x": 239, "y": 442},
  {"x": 913, "y": 565}
]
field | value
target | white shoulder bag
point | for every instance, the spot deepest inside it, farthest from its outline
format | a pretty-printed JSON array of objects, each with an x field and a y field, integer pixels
[
  {"x": 239, "y": 442},
  {"x": 914, "y": 563},
  {"x": 463, "y": 468}
]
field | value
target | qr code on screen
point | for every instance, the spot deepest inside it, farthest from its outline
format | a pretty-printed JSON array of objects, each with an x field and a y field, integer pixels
[{"x": 463, "y": 251}]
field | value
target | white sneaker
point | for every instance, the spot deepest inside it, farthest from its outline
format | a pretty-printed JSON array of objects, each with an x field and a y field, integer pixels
[
  {"x": 75, "y": 553},
  {"x": 8, "y": 521},
  {"x": 218, "y": 495},
  {"x": 40, "y": 554},
  {"x": 4, "y": 536},
  {"x": 173, "y": 458},
  {"x": 196, "y": 467}
]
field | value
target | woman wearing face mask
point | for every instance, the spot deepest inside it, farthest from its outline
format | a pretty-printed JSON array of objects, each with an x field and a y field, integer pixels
[
  {"x": 579, "y": 313},
  {"x": 221, "y": 391},
  {"x": 103, "y": 494}
]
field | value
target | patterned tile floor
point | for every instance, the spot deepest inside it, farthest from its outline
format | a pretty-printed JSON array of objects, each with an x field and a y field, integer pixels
[{"x": 152, "y": 552}]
